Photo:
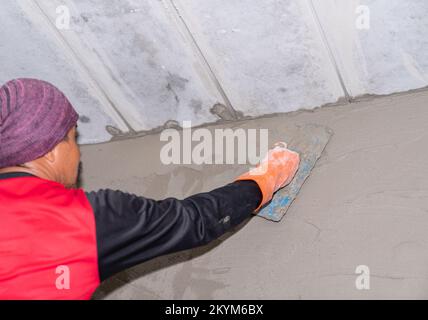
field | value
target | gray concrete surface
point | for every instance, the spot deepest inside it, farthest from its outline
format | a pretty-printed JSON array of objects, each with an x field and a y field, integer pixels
[
  {"x": 269, "y": 58},
  {"x": 137, "y": 54},
  {"x": 365, "y": 203},
  {"x": 384, "y": 58},
  {"x": 32, "y": 51},
  {"x": 131, "y": 66}
]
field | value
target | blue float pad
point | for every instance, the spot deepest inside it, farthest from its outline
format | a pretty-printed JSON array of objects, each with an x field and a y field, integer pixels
[{"x": 309, "y": 141}]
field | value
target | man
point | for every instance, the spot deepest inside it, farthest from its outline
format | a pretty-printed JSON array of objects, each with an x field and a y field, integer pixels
[{"x": 58, "y": 242}]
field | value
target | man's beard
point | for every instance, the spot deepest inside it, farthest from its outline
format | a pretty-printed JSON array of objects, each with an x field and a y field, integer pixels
[
  {"x": 78, "y": 183},
  {"x": 79, "y": 175}
]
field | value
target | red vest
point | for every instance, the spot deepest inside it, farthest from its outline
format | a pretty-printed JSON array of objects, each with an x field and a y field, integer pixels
[{"x": 48, "y": 247}]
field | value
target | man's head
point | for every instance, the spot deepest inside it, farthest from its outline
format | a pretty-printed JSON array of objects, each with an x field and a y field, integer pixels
[{"x": 38, "y": 131}]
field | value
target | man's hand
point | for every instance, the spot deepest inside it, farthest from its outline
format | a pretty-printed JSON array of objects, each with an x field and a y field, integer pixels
[{"x": 274, "y": 172}]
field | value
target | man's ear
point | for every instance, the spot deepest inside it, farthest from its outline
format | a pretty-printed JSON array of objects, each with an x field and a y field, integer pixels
[{"x": 51, "y": 156}]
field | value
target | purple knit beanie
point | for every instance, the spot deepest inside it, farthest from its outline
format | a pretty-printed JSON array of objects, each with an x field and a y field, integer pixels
[{"x": 34, "y": 117}]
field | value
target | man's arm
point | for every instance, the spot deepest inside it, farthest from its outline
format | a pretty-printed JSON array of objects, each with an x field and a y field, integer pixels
[{"x": 132, "y": 229}]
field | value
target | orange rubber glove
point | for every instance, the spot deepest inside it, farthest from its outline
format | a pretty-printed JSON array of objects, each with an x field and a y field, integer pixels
[{"x": 274, "y": 172}]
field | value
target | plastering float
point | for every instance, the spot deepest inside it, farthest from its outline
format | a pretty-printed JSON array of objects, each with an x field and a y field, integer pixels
[{"x": 309, "y": 141}]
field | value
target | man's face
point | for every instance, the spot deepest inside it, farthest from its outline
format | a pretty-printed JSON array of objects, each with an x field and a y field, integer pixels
[{"x": 69, "y": 154}]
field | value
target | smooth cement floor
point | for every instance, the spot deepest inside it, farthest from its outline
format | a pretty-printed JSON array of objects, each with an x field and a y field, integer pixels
[{"x": 365, "y": 204}]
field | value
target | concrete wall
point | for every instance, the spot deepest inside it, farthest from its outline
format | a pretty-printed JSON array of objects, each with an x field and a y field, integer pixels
[{"x": 131, "y": 66}]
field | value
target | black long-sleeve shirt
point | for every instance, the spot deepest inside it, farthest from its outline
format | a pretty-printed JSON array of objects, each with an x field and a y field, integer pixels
[{"x": 131, "y": 229}]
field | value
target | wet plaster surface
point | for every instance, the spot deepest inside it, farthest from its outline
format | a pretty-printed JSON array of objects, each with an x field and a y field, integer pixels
[{"x": 365, "y": 203}]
